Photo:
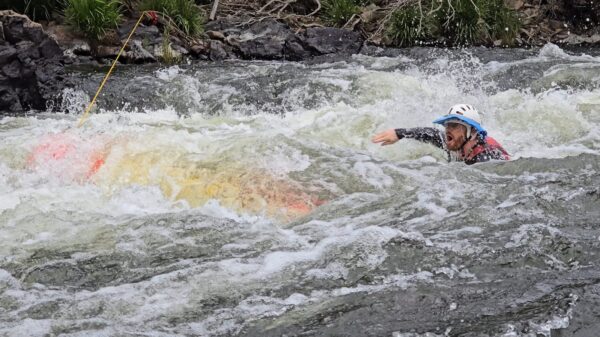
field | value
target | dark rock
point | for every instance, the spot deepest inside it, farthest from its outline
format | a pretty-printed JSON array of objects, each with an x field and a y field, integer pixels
[
  {"x": 80, "y": 47},
  {"x": 137, "y": 53},
  {"x": 50, "y": 48},
  {"x": 215, "y": 35},
  {"x": 294, "y": 50},
  {"x": 27, "y": 50},
  {"x": 12, "y": 70},
  {"x": 200, "y": 48},
  {"x": 18, "y": 27},
  {"x": 217, "y": 51},
  {"x": 31, "y": 65},
  {"x": 225, "y": 25},
  {"x": 106, "y": 52},
  {"x": 265, "y": 40},
  {"x": 9, "y": 99},
  {"x": 150, "y": 35},
  {"x": 333, "y": 40},
  {"x": 265, "y": 48},
  {"x": 2, "y": 38},
  {"x": 180, "y": 49},
  {"x": 7, "y": 53}
]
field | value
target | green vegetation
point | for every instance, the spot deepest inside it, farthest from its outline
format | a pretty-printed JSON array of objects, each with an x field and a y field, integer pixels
[
  {"x": 410, "y": 26},
  {"x": 504, "y": 23},
  {"x": 93, "y": 17},
  {"x": 184, "y": 13},
  {"x": 338, "y": 12},
  {"x": 461, "y": 22},
  {"x": 168, "y": 55}
]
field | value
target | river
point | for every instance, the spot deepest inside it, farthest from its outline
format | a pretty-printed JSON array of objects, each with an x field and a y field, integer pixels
[{"x": 246, "y": 199}]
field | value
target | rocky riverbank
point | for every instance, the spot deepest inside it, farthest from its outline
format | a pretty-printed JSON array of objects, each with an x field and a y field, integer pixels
[
  {"x": 33, "y": 57},
  {"x": 31, "y": 64}
]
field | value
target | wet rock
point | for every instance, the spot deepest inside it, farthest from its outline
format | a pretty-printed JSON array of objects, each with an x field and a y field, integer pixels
[
  {"x": 578, "y": 39},
  {"x": 227, "y": 26},
  {"x": 149, "y": 34},
  {"x": 294, "y": 50},
  {"x": 215, "y": 35},
  {"x": 200, "y": 48},
  {"x": 7, "y": 53},
  {"x": 72, "y": 45},
  {"x": 31, "y": 64},
  {"x": 273, "y": 40},
  {"x": 333, "y": 40},
  {"x": 106, "y": 51},
  {"x": 217, "y": 51},
  {"x": 137, "y": 53},
  {"x": 264, "y": 40},
  {"x": 12, "y": 70}
]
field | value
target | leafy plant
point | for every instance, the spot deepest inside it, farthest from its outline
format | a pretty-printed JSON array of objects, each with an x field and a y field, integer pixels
[
  {"x": 338, "y": 12},
  {"x": 462, "y": 22},
  {"x": 93, "y": 17},
  {"x": 184, "y": 13},
  {"x": 410, "y": 25},
  {"x": 168, "y": 55},
  {"x": 504, "y": 23}
]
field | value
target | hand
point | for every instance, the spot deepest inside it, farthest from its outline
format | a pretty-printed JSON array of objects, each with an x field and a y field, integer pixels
[{"x": 387, "y": 137}]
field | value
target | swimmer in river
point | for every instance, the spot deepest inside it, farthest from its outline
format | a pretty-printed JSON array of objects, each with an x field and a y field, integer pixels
[{"x": 464, "y": 139}]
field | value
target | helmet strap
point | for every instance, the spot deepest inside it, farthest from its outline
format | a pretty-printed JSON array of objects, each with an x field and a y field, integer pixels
[{"x": 467, "y": 139}]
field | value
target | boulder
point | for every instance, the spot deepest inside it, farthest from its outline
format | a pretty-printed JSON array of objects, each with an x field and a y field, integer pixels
[
  {"x": 270, "y": 39},
  {"x": 264, "y": 40},
  {"x": 326, "y": 40},
  {"x": 137, "y": 53},
  {"x": 217, "y": 51},
  {"x": 31, "y": 64}
]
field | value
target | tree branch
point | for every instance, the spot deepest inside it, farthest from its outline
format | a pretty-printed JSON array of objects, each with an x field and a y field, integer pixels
[{"x": 213, "y": 12}]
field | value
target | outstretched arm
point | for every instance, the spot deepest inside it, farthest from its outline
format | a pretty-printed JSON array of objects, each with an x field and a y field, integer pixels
[{"x": 427, "y": 135}]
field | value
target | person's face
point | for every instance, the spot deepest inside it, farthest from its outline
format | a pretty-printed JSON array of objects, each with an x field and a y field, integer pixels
[{"x": 456, "y": 134}]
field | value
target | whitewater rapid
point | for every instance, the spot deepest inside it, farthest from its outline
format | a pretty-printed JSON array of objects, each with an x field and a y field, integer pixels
[{"x": 246, "y": 198}]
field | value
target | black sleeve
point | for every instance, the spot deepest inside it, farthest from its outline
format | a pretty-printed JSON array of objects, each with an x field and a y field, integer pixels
[{"x": 427, "y": 135}]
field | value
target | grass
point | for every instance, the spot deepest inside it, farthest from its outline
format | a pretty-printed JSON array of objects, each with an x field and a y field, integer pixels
[
  {"x": 460, "y": 22},
  {"x": 463, "y": 21},
  {"x": 410, "y": 26},
  {"x": 168, "y": 56},
  {"x": 338, "y": 12},
  {"x": 505, "y": 24},
  {"x": 184, "y": 13},
  {"x": 93, "y": 17}
]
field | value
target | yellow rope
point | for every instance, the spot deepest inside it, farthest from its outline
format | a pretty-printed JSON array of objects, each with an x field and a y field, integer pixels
[{"x": 89, "y": 107}]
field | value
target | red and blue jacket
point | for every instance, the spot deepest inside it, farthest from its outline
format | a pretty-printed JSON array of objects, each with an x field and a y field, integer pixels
[{"x": 484, "y": 150}]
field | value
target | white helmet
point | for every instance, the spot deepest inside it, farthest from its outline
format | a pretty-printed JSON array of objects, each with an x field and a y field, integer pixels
[{"x": 466, "y": 115}]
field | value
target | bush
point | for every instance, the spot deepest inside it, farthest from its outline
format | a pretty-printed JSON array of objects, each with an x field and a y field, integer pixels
[
  {"x": 461, "y": 22},
  {"x": 410, "y": 25},
  {"x": 464, "y": 21},
  {"x": 93, "y": 17},
  {"x": 184, "y": 13},
  {"x": 338, "y": 12},
  {"x": 504, "y": 23}
]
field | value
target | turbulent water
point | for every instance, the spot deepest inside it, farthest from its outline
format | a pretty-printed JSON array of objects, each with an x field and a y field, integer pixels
[{"x": 245, "y": 199}]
